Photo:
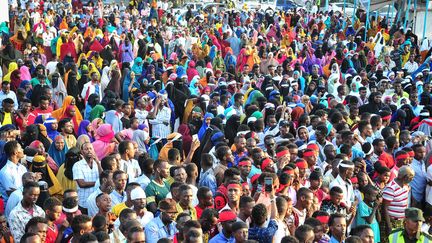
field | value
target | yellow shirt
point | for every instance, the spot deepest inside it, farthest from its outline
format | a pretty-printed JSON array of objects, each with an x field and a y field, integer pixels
[
  {"x": 192, "y": 211},
  {"x": 7, "y": 119},
  {"x": 117, "y": 209}
]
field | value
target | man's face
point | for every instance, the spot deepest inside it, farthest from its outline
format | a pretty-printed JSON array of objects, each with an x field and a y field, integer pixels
[
  {"x": 32, "y": 195},
  {"x": 120, "y": 181},
  {"x": 163, "y": 170},
  {"x": 7, "y": 107},
  {"x": 186, "y": 197},
  {"x": 207, "y": 200},
  {"x": 271, "y": 144},
  {"x": 336, "y": 198},
  {"x": 44, "y": 104},
  {"x": 130, "y": 150},
  {"x": 180, "y": 175},
  {"x": 250, "y": 144},
  {"x": 308, "y": 200},
  {"x": 87, "y": 150},
  {"x": 420, "y": 153},
  {"x": 241, "y": 235},
  {"x": 68, "y": 128},
  {"x": 41, "y": 230},
  {"x": 379, "y": 148},
  {"x": 6, "y": 87},
  {"x": 54, "y": 214},
  {"x": 367, "y": 236},
  {"x": 338, "y": 228},
  {"x": 310, "y": 236},
  {"x": 234, "y": 194},
  {"x": 245, "y": 170},
  {"x": 241, "y": 145},
  {"x": 104, "y": 203},
  {"x": 247, "y": 209},
  {"x": 137, "y": 237},
  {"x": 140, "y": 203},
  {"x": 127, "y": 110}
]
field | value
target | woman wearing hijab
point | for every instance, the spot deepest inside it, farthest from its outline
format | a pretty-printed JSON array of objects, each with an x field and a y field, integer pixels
[
  {"x": 142, "y": 138},
  {"x": 92, "y": 101},
  {"x": 39, "y": 165},
  {"x": 187, "y": 137},
  {"x": 302, "y": 136},
  {"x": 58, "y": 150},
  {"x": 51, "y": 127},
  {"x": 115, "y": 77},
  {"x": 129, "y": 82},
  {"x": 104, "y": 144},
  {"x": 231, "y": 128},
  {"x": 38, "y": 145},
  {"x": 65, "y": 175},
  {"x": 97, "y": 112},
  {"x": 295, "y": 114},
  {"x": 60, "y": 113},
  {"x": 59, "y": 89},
  {"x": 205, "y": 124},
  {"x": 86, "y": 128},
  {"x": 71, "y": 114},
  {"x": 15, "y": 80},
  {"x": 43, "y": 136}
]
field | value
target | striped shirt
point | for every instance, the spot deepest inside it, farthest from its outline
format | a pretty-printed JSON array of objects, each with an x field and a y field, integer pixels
[
  {"x": 398, "y": 198},
  {"x": 161, "y": 127}
]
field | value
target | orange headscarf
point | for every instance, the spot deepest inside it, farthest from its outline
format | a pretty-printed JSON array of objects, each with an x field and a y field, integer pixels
[{"x": 59, "y": 113}]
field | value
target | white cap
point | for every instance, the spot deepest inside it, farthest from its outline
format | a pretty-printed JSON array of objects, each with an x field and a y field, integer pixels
[{"x": 138, "y": 193}]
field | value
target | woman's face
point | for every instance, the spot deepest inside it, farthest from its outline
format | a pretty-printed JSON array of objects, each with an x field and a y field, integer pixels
[
  {"x": 73, "y": 102},
  {"x": 303, "y": 134},
  {"x": 41, "y": 149},
  {"x": 72, "y": 112},
  {"x": 54, "y": 126},
  {"x": 59, "y": 144},
  {"x": 89, "y": 128}
]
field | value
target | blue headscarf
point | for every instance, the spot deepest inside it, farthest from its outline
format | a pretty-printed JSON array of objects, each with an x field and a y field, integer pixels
[
  {"x": 114, "y": 120},
  {"x": 204, "y": 126},
  {"x": 52, "y": 133},
  {"x": 59, "y": 156},
  {"x": 82, "y": 129},
  {"x": 137, "y": 68}
]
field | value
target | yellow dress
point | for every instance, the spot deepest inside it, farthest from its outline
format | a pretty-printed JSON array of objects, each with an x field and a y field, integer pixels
[{"x": 64, "y": 181}]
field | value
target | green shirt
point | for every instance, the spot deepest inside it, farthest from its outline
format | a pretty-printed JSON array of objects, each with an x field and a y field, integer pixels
[{"x": 156, "y": 192}]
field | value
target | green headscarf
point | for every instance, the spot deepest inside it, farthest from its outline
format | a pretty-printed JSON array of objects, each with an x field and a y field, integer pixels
[{"x": 97, "y": 112}]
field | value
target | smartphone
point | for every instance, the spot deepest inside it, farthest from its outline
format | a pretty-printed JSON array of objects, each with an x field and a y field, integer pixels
[
  {"x": 194, "y": 137},
  {"x": 268, "y": 183}
]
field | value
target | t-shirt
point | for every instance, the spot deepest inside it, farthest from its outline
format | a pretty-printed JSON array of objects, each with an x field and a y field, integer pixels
[
  {"x": 363, "y": 210},
  {"x": 7, "y": 118},
  {"x": 156, "y": 192},
  {"x": 398, "y": 198},
  {"x": 51, "y": 234}
]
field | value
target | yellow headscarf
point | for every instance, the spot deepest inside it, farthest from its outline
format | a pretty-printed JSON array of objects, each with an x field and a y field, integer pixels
[
  {"x": 56, "y": 188},
  {"x": 12, "y": 67}
]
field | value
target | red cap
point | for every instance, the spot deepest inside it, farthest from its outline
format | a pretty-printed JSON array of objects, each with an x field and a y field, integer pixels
[
  {"x": 227, "y": 215},
  {"x": 282, "y": 153}
]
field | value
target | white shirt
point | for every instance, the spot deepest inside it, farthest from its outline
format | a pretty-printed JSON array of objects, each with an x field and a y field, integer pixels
[
  {"x": 347, "y": 188},
  {"x": 159, "y": 128},
  {"x": 47, "y": 38},
  {"x": 11, "y": 178},
  {"x": 91, "y": 203},
  {"x": 143, "y": 180},
  {"x": 132, "y": 168},
  {"x": 410, "y": 66},
  {"x": 90, "y": 88},
  {"x": 81, "y": 170},
  {"x": 11, "y": 95},
  {"x": 14, "y": 198}
]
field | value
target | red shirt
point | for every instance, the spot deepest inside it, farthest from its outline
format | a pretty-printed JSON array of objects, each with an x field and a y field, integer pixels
[
  {"x": 199, "y": 210},
  {"x": 51, "y": 235},
  {"x": 37, "y": 112}
]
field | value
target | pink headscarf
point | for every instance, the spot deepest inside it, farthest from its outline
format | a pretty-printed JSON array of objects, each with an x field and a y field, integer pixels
[
  {"x": 25, "y": 73},
  {"x": 103, "y": 145}
]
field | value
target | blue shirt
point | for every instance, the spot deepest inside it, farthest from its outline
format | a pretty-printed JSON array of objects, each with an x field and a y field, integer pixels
[
  {"x": 208, "y": 179},
  {"x": 220, "y": 238},
  {"x": 333, "y": 240},
  {"x": 263, "y": 235},
  {"x": 418, "y": 184},
  {"x": 156, "y": 230}
]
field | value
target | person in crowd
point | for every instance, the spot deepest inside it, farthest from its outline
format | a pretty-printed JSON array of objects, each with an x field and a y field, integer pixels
[{"x": 216, "y": 124}]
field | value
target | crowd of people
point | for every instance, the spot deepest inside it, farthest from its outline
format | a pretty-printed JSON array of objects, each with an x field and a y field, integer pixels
[{"x": 131, "y": 122}]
